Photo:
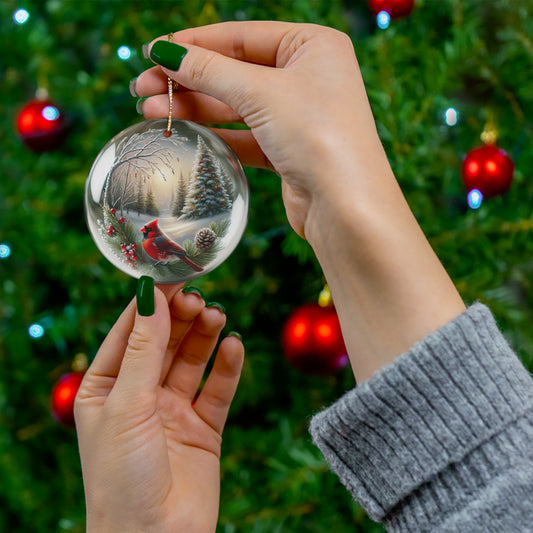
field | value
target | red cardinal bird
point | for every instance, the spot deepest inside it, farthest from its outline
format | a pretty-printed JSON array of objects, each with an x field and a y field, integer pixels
[{"x": 160, "y": 247}]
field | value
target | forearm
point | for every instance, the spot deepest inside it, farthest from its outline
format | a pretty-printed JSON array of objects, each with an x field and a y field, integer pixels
[{"x": 388, "y": 286}]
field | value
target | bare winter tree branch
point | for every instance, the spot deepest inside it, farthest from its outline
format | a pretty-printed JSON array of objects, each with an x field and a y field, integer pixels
[{"x": 141, "y": 156}]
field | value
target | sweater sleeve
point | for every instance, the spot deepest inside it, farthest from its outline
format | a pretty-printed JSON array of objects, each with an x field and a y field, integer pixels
[{"x": 441, "y": 439}]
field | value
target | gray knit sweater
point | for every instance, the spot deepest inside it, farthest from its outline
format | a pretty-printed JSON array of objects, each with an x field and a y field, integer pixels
[{"x": 440, "y": 440}]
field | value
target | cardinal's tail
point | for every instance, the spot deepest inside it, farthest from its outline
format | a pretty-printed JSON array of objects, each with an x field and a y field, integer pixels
[{"x": 191, "y": 263}]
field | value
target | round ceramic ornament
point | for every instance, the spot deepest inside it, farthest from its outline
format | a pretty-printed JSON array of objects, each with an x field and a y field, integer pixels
[{"x": 166, "y": 200}]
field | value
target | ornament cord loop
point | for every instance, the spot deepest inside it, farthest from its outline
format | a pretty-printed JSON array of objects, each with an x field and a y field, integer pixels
[{"x": 171, "y": 87}]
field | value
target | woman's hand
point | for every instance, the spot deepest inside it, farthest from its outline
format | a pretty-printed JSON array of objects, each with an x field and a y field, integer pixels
[
  {"x": 299, "y": 89},
  {"x": 296, "y": 86},
  {"x": 149, "y": 444}
]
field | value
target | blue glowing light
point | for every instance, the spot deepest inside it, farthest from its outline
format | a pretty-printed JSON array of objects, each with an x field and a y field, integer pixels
[
  {"x": 21, "y": 16},
  {"x": 124, "y": 52},
  {"x": 36, "y": 331},
  {"x": 383, "y": 20},
  {"x": 475, "y": 199},
  {"x": 5, "y": 251},
  {"x": 451, "y": 116},
  {"x": 50, "y": 112}
]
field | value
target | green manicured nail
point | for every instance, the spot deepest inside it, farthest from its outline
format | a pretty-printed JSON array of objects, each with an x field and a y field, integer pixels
[
  {"x": 133, "y": 92},
  {"x": 235, "y": 334},
  {"x": 145, "y": 296},
  {"x": 146, "y": 50},
  {"x": 193, "y": 290},
  {"x": 220, "y": 307},
  {"x": 167, "y": 54},
  {"x": 139, "y": 105}
]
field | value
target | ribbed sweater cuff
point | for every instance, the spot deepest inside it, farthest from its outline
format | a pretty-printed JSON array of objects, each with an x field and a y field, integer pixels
[{"x": 431, "y": 425}]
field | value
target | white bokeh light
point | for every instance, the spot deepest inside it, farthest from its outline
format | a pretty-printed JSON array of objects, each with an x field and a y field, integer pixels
[
  {"x": 21, "y": 16},
  {"x": 475, "y": 199},
  {"x": 383, "y": 20},
  {"x": 451, "y": 116},
  {"x": 50, "y": 112},
  {"x": 124, "y": 52},
  {"x": 5, "y": 251},
  {"x": 36, "y": 331}
]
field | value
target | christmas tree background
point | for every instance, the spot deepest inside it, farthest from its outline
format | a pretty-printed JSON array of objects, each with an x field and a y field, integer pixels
[{"x": 473, "y": 55}]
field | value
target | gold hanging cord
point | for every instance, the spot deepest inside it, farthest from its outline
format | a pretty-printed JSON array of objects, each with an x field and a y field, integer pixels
[{"x": 172, "y": 86}]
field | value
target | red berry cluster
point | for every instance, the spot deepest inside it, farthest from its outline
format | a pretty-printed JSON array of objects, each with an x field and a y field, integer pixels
[
  {"x": 129, "y": 251},
  {"x": 111, "y": 230},
  {"x": 113, "y": 211}
]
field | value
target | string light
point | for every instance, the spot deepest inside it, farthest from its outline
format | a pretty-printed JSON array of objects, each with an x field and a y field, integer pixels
[
  {"x": 21, "y": 16},
  {"x": 36, "y": 331},
  {"x": 124, "y": 52},
  {"x": 451, "y": 116},
  {"x": 5, "y": 251},
  {"x": 475, "y": 199},
  {"x": 50, "y": 112},
  {"x": 383, "y": 20}
]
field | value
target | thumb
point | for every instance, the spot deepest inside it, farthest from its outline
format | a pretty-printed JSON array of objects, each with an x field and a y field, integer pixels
[
  {"x": 140, "y": 370},
  {"x": 228, "y": 80}
]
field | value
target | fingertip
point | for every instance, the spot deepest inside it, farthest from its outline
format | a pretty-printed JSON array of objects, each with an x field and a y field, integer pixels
[
  {"x": 193, "y": 290},
  {"x": 233, "y": 351},
  {"x": 170, "y": 290},
  {"x": 145, "y": 296},
  {"x": 150, "y": 298},
  {"x": 216, "y": 305},
  {"x": 214, "y": 314},
  {"x": 235, "y": 334},
  {"x": 167, "y": 54},
  {"x": 187, "y": 303},
  {"x": 146, "y": 50}
]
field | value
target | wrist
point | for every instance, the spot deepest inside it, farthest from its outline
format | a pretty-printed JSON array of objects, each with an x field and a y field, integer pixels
[
  {"x": 389, "y": 288},
  {"x": 351, "y": 193}
]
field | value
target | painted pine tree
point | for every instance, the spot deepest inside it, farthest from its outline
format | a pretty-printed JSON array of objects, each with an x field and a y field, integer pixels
[
  {"x": 150, "y": 203},
  {"x": 178, "y": 197},
  {"x": 140, "y": 204},
  {"x": 207, "y": 194}
]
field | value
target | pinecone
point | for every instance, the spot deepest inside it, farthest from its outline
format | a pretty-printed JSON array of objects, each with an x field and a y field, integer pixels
[{"x": 204, "y": 239}]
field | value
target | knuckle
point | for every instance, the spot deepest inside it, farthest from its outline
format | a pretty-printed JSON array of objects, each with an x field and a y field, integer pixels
[
  {"x": 194, "y": 358},
  {"x": 239, "y": 46},
  {"x": 77, "y": 408},
  {"x": 199, "y": 68},
  {"x": 138, "y": 344},
  {"x": 217, "y": 400}
]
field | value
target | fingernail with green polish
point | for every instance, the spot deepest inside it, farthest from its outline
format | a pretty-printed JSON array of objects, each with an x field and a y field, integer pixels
[
  {"x": 145, "y": 296},
  {"x": 220, "y": 307},
  {"x": 133, "y": 92},
  {"x": 192, "y": 290},
  {"x": 139, "y": 105},
  {"x": 235, "y": 334},
  {"x": 167, "y": 54},
  {"x": 146, "y": 50}
]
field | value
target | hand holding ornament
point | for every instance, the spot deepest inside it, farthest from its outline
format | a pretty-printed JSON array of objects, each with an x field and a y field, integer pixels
[
  {"x": 296, "y": 86},
  {"x": 299, "y": 90},
  {"x": 149, "y": 443}
]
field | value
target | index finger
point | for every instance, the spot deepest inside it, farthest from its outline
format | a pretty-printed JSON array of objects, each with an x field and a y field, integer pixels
[{"x": 252, "y": 41}]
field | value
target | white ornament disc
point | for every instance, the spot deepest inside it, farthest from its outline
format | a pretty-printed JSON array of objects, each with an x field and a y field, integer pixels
[{"x": 173, "y": 208}]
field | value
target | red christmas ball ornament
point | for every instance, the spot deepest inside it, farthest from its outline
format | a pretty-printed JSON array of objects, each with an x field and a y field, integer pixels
[
  {"x": 488, "y": 169},
  {"x": 63, "y": 396},
  {"x": 312, "y": 340},
  {"x": 41, "y": 125},
  {"x": 395, "y": 8}
]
